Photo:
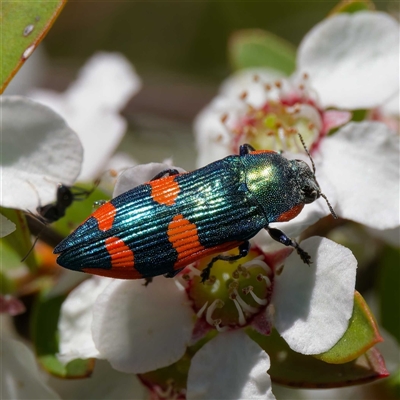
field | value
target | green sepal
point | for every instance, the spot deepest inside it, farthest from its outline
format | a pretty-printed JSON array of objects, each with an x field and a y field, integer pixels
[
  {"x": 298, "y": 370},
  {"x": 20, "y": 240},
  {"x": 23, "y": 26},
  {"x": 44, "y": 330},
  {"x": 360, "y": 336},
  {"x": 253, "y": 48},
  {"x": 352, "y": 6}
]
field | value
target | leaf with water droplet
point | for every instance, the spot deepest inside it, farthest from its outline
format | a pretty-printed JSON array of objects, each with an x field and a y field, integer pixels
[{"x": 23, "y": 26}]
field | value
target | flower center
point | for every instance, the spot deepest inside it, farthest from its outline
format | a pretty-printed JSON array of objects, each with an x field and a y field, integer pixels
[
  {"x": 235, "y": 292},
  {"x": 288, "y": 110}
]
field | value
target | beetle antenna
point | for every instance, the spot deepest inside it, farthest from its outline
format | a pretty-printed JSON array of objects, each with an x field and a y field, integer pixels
[
  {"x": 308, "y": 153},
  {"x": 330, "y": 207}
]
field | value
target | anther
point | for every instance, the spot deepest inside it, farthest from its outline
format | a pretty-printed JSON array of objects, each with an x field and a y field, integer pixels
[
  {"x": 278, "y": 84},
  {"x": 267, "y": 86},
  {"x": 217, "y": 303},
  {"x": 235, "y": 274},
  {"x": 305, "y": 76},
  {"x": 224, "y": 117},
  {"x": 256, "y": 78},
  {"x": 218, "y": 327},
  {"x": 243, "y": 95},
  {"x": 265, "y": 278}
]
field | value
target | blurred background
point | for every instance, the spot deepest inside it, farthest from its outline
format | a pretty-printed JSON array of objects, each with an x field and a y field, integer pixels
[{"x": 179, "y": 49}]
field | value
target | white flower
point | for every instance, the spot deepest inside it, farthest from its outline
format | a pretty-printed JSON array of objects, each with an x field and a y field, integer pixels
[
  {"x": 91, "y": 106},
  {"x": 141, "y": 328},
  {"x": 20, "y": 376},
  {"x": 348, "y": 61},
  {"x": 39, "y": 150}
]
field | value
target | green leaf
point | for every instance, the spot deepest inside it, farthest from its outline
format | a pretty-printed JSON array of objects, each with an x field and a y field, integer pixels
[
  {"x": 23, "y": 26},
  {"x": 352, "y": 6},
  {"x": 257, "y": 48},
  {"x": 389, "y": 305},
  {"x": 360, "y": 336},
  {"x": 20, "y": 240},
  {"x": 45, "y": 339},
  {"x": 79, "y": 210},
  {"x": 298, "y": 370}
]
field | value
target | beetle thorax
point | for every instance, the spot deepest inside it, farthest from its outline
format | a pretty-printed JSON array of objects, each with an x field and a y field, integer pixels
[{"x": 274, "y": 182}]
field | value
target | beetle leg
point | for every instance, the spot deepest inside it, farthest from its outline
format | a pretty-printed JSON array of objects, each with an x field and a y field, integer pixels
[
  {"x": 280, "y": 237},
  {"x": 147, "y": 281},
  {"x": 245, "y": 149},
  {"x": 166, "y": 172},
  {"x": 243, "y": 251}
]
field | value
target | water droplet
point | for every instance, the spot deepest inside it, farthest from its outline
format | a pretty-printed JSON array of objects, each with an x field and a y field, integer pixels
[
  {"x": 28, "y": 52},
  {"x": 28, "y": 29}
]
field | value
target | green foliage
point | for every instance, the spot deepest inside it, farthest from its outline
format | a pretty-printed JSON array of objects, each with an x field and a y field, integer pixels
[
  {"x": 388, "y": 289},
  {"x": 18, "y": 241},
  {"x": 44, "y": 328},
  {"x": 257, "y": 48},
  {"x": 23, "y": 26},
  {"x": 352, "y": 6},
  {"x": 298, "y": 370}
]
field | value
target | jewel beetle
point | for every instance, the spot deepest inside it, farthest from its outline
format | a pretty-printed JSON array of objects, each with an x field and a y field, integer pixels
[{"x": 162, "y": 226}]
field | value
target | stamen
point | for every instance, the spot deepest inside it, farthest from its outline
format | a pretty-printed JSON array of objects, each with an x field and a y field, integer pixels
[
  {"x": 218, "y": 327},
  {"x": 242, "y": 319},
  {"x": 243, "y": 95},
  {"x": 193, "y": 270},
  {"x": 257, "y": 262},
  {"x": 245, "y": 306},
  {"x": 200, "y": 312},
  {"x": 262, "y": 302},
  {"x": 256, "y": 78},
  {"x": 305, "y": 76},
  {"x": 261, "y": 277},
  {"x": 217, "y": 303},
  {"x": 267, "y": 87}
]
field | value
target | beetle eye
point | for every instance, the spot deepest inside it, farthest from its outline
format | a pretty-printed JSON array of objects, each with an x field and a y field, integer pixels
[{"x": 314, "y": 194}]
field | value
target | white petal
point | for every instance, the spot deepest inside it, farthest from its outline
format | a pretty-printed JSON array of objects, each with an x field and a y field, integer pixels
[
  {"x": 141, "y": 328},
  {"x": 213, "y": 137},
  {"x": 105, "y": 383},
  {"x": 91, "y": 107},
  {"x": 362, "y": 162},
  {"x": 352, "y": 59},
  {"x": 20, "y": 379},
  {"x": 6, "y": 226},
  {"x": 39, "y": 151},
  {"x": 106, "y": 81},
  {"x": 252, "y": 82},
  {"x": 313, "y": 304},
  {"x": 230, "y": 366},
  {"x": 75, "y": 321},
  {"x": 138, "y": 175}
]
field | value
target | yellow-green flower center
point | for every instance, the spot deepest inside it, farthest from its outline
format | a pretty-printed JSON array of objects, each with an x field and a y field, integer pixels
[
  {"x": 235, "y": 291},
  {"x": 276, "y": 126}
]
